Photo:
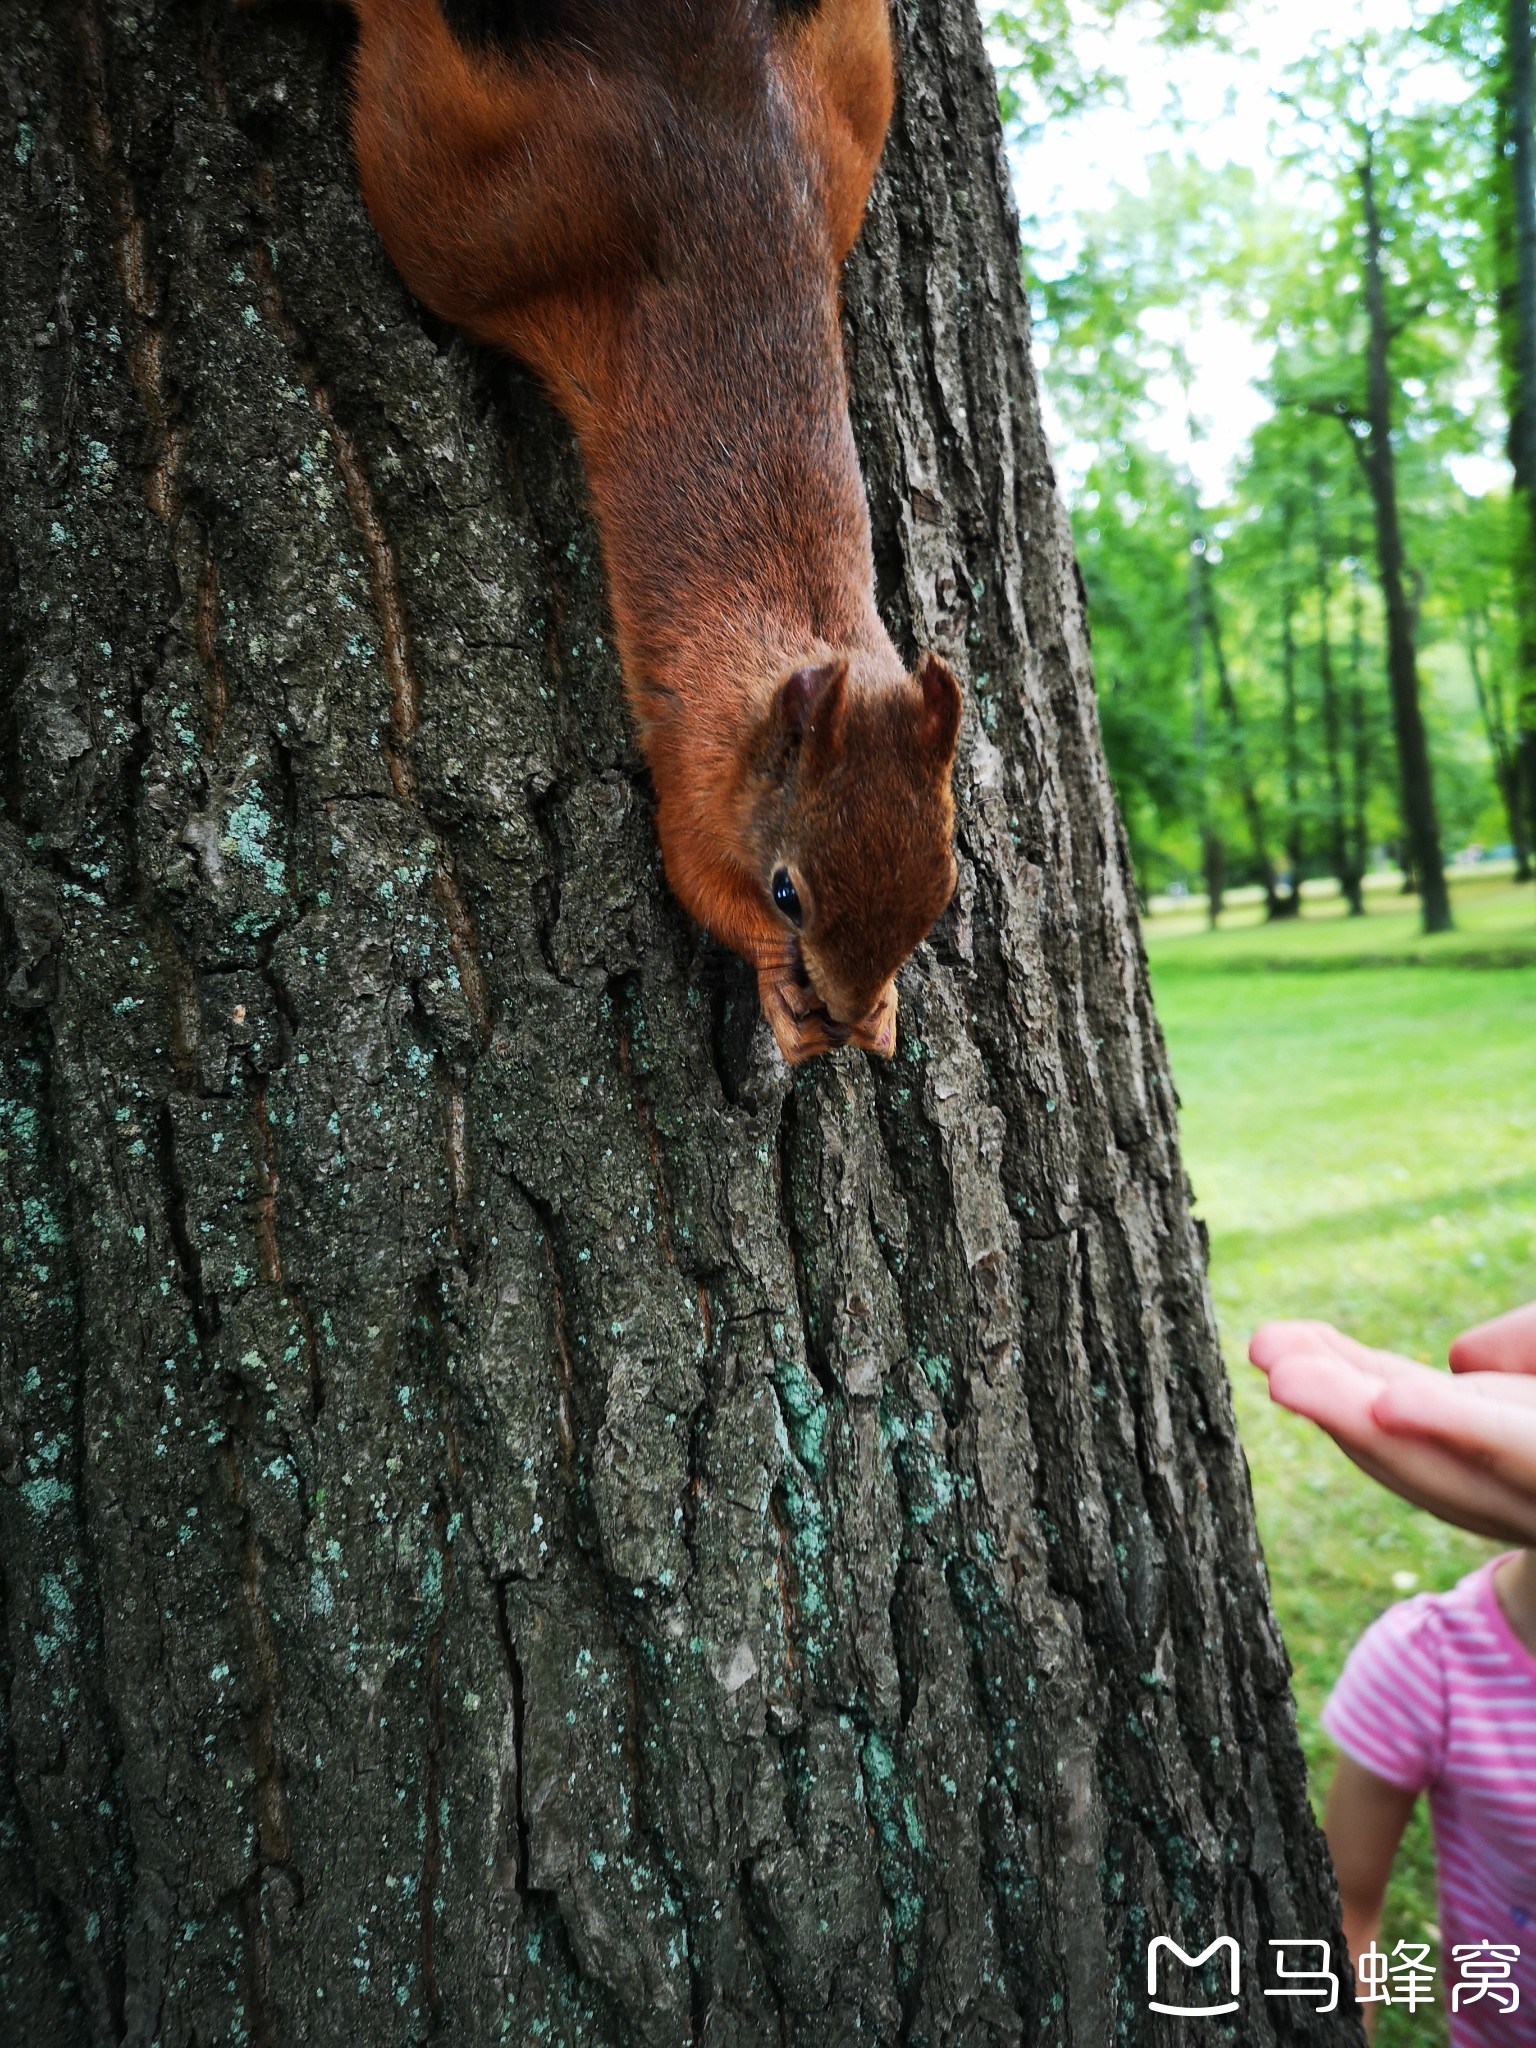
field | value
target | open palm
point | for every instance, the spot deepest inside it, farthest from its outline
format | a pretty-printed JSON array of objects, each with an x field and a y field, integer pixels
[{"x": 1461, "y": 1445}]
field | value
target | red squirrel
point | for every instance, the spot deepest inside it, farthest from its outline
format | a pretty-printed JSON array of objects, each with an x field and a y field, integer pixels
[{"x": 649, "y": 203}]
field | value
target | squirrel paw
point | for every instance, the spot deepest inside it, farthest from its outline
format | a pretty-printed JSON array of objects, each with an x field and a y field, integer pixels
[
  {"x": 795, "y": 1014},
  {"x": 877, "y": 1033},
  {"x": 801, "y": 1024}
]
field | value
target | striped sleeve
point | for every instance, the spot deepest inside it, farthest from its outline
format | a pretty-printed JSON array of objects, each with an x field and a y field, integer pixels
[{"x": 1388, "y": 1710}]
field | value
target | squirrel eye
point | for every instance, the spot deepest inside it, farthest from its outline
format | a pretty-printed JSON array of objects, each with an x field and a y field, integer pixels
[{"x": 785, "y": 897}]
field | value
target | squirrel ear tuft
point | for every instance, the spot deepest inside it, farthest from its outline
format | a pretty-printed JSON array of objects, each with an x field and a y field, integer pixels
[
  {"x": 811, "y": 702},
  {"x": 941, "y": 707}
]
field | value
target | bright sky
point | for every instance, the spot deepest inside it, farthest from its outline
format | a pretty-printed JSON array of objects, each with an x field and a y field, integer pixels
[{"x": 1227, "y": 117}]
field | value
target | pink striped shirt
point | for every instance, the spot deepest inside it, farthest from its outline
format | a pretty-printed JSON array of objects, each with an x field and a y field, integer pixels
[{"x": 1439, "y": 1695}]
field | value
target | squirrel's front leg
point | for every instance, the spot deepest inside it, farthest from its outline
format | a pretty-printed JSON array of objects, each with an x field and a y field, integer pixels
[
  {"x": 804, "y": 1027},
  {"x": 795, "y": 1014}
]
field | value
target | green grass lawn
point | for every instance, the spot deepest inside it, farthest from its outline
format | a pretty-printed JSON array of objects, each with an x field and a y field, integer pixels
[{"x": 1361, "y": 1135}]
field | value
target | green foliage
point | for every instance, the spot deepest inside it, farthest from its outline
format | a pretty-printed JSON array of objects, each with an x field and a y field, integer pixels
[
  {"x": 1428, "y": 184},
  {"x": 1304, "y": 751},
  {"x": 1038, "y": 50},
  {"x": 1133, "y": 545}
]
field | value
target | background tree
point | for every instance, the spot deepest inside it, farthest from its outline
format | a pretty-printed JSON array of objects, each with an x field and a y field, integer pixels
[
  {"x": 1234, "y": 733},
  {"x": 1127, "y": 305},
  {"x": 1513, "y": 208},
  {"x": 1475, "y": 597},
  {"x": 521, "y": 1519},
  {"x": 1295, "y": 496},
  {"x": 1492, "y": 41},
  {"x": 1134, "y": 546},
  {"x": 1396, "y": 254},
  {"x": 1181, "y": 742}
]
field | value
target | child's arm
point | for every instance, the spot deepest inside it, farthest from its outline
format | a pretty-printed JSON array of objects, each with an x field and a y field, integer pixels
[{"x": 1364, "y": 1824}]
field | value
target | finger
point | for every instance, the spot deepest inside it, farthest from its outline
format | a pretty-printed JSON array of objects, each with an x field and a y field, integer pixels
[
  {"x": 1275, "y": 1340},
  {"x": 1427, "y": 1474},
  {"x": 1450, "y": 1489},
  {"x": 877, "y": 1032},
  {"x": 1345, "y": 1400},
  {"x": 1500, "y": 1435},
  {"x": 803, "y": 1038},
  {"x": 1511, "y": 1389},
  {"x": 786, "y": 1027},
  {"x": 878, "y": 1038},
  {"x": 1326, "y": 1391},
  {"x": 1506, "y": 1344},
  {"x": 1322, "y": 1341},
  {"x": 799, "y": 1023},
  {"x": 1328, "y": 1386}
]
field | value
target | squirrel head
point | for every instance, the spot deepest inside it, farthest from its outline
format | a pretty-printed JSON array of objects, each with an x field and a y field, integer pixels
[{"x": 854, "y": 837}]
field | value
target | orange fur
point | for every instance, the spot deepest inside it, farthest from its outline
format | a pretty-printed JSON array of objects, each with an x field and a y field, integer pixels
[{"x": 652, "y": 213}]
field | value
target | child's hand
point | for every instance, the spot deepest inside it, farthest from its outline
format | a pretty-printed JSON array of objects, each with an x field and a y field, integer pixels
[{"x": 1461, "y": 1446}]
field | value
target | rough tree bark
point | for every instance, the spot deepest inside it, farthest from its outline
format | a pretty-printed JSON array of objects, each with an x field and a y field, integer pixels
[{"x": 520, "y": 1521}]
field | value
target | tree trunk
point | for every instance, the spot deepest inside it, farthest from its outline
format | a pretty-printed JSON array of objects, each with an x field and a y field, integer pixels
[
  {"x": 1420, "y": 824},
  {"x": 1237, "y": 740},
  {"x": 1514, "y": 240},
  {"x": 1359, "y": 736},
  {"x": 1502, "y": 743},
  {"x": 1290, "y": 904},
  {"x": 524, "y": 1521},
  {"x": 1338, "y": 834},
  {"x": 1213, "y": 857}
]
